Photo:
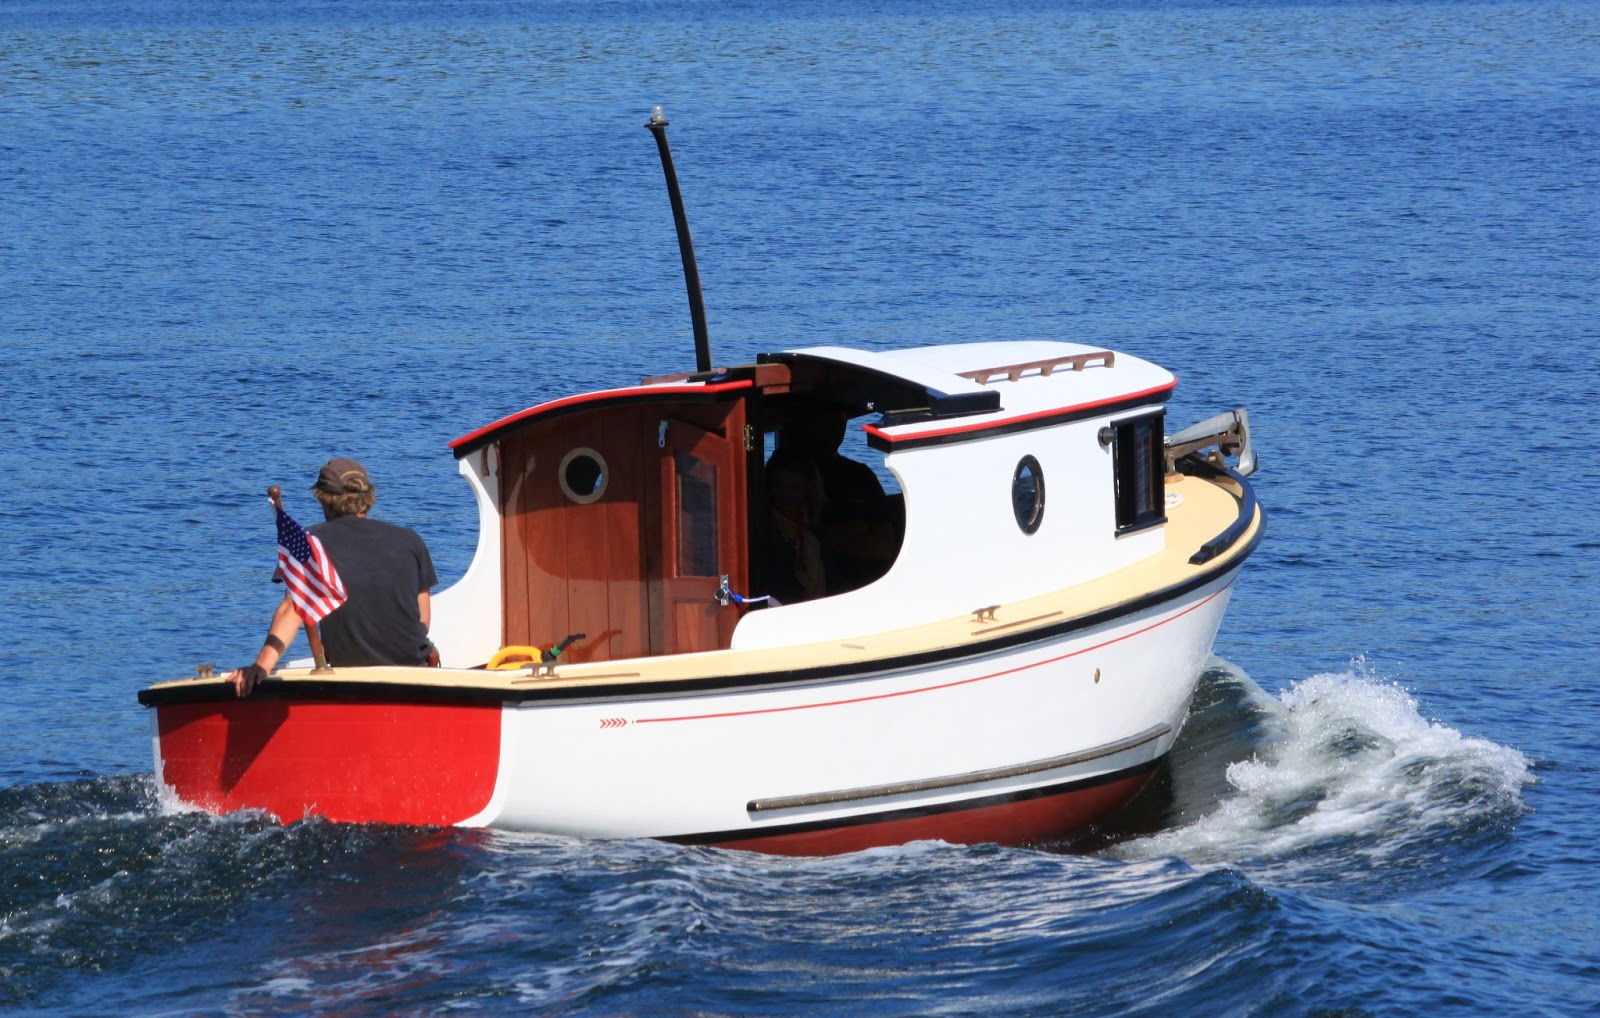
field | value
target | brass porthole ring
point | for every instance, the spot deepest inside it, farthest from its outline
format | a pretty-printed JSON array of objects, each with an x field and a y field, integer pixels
[{"x": 583, "y": 475}]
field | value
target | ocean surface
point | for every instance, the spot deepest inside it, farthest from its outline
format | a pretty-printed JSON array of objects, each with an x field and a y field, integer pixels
[{"x": 239, "y": 238}]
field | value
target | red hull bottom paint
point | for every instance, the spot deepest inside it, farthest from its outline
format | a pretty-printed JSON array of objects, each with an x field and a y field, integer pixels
[
  {"x": 1042, "y": 820},
  {"x": 355, "y": 762}
]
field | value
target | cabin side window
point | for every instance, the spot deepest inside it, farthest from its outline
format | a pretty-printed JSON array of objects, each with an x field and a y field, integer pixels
[
  {"x": 1138, "y": 454},
  {"x": 697, "y": 515}
]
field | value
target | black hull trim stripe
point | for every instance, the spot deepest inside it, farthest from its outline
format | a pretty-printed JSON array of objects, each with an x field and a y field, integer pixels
[
  {"x": 396, "y": 692},
  {"x": 751, "y": 834},
  {"x": 957, "y": 780},
  {"x": 882, "y": 442}
]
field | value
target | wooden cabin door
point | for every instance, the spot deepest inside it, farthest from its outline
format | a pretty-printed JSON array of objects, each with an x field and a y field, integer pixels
[{"x": 702, "y": 529}]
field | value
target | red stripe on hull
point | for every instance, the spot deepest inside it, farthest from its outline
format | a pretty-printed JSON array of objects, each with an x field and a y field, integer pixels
[
  {"x": 355, "y": 762},
  {"x": 1023, "y": 822}
]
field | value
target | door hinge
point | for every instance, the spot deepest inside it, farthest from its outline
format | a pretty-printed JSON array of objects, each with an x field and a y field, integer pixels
[{"x": 749, "y": 438}]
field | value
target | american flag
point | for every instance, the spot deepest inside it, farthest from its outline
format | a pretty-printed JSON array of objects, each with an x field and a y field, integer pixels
[{"x": 314, "y": 585}]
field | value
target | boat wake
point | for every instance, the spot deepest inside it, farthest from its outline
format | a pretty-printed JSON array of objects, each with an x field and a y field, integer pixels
[
  {"x": 1338, "y": 776},
  {"x": 1337, "y": 786}
]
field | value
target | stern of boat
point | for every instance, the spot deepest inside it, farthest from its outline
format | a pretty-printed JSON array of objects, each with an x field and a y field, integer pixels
[{"x": 413, "y": 763}]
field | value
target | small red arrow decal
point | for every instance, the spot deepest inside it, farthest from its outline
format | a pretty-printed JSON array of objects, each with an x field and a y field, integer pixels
[{"x": 613, "y": 722}]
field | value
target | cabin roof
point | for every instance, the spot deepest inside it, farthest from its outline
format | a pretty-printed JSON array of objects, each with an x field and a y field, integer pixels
[
  {"x": 675, "y": 390},
  {"x": 1001, "y": 386},
  {"x": 925, "y": 394}
]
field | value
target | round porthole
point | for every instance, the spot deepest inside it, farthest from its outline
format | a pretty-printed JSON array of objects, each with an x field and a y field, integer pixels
[
  {"x": 1027, "y": 494},
  {"x": 583, "y": 475}
]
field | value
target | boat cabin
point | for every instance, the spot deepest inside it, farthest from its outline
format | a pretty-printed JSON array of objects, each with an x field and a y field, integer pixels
[{"x": 642, "y": 517}]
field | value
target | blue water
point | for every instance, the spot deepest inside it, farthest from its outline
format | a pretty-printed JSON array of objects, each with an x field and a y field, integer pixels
[{"x": 238, "y": 239}]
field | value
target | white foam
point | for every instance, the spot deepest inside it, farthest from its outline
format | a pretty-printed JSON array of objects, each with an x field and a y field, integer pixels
[
  {"x": 1354, "y": 768},
  {"x": 166, "y": 798}
]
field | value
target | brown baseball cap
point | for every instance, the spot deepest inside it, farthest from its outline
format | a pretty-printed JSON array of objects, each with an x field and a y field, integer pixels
[{"x": 342, "y": 476}]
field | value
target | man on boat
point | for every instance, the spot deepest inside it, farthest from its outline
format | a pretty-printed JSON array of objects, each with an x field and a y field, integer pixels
[
  {"x": 387, "y": 574},
  {"x": 857, "y": 524},
  {"x": 799, "y": 568}
]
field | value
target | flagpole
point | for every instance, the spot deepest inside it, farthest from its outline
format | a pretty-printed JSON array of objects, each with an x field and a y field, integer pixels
[{"x": 313, "y": 637}]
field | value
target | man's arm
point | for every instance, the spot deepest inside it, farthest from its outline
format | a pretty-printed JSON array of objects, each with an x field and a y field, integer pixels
[
  {"x": 425, "y": 611},
  {"x": 285, "y": 623}
]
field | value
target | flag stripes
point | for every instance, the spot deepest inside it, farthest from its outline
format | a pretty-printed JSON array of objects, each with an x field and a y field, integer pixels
[{"x": 315, "y": 588}]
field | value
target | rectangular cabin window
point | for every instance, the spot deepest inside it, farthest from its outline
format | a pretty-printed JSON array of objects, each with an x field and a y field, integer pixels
[
  {"x": 1139, "y": 454},
  {"x": 697, "y": 515}
]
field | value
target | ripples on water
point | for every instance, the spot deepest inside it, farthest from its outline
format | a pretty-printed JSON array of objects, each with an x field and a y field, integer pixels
[
  {"x": 238, "y": 239},
  {"x": 1288, "y": 812}
]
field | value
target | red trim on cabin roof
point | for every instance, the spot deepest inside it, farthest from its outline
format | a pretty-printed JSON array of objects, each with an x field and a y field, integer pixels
[
  {"x": 603, "y": 396},
  {"x": 990, "y": 423}
]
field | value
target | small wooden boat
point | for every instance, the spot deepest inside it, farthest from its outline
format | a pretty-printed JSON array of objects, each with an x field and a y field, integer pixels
[{"x": 1012, "y": 668}]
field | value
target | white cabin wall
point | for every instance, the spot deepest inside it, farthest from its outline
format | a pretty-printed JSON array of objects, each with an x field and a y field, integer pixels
[
  {"x": 963, "y": 549},
  {"x": 467, "y": 616}
]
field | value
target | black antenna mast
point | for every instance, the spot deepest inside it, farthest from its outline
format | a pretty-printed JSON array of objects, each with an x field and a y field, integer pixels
[{"x": 691, "y": 273}]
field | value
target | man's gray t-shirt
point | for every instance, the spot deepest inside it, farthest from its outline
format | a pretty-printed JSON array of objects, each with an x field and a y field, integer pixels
[{"x": 384, "y": 567}]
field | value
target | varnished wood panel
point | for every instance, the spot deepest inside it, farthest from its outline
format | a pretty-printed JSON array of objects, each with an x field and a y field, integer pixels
[
  {"x": 587, "y": 561},
  {"x": 545, "y": 535},
  {"x": 627, "y": 438},
  {"x": 605, "y": 568},
  {"x": 513, "y": 566},
  {"x": 692, "y": 621}
]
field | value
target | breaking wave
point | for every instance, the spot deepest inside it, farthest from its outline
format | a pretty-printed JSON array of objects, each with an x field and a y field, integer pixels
[{"x": 1342, "y": 774}]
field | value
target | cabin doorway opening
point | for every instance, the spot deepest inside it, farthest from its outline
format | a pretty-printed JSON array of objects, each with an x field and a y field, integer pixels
[{"x": 822, "y": 484}]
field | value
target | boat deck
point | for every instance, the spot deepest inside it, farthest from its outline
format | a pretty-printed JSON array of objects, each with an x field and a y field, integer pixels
[{"x": 1201, "y": 510}]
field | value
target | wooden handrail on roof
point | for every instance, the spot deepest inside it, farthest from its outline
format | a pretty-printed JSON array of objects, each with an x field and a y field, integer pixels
[{"x": 1077, "y": 361}]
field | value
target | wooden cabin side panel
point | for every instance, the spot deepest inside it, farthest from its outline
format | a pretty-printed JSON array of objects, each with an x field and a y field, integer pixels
[
  {"x": 571, "y": 566},
  {"x": 627, "y": 603},
  {"x": 604, "y": 553},
  {"x": 514, "y": 464},
  {"x": 536, "y": 527},
  {"x": 583, "y": 560}
]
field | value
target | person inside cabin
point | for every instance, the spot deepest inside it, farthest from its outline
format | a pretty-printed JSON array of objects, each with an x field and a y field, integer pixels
[
  {"x": 857, "y": 527},
  {"x": 388, "y": 576},
  {"x": 798, "y": 567}
]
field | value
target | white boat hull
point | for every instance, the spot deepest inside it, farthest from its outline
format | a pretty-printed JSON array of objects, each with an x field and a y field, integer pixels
[
  {"x": 815, "y": 763},
  {"x": 1026, "y": 744}
]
